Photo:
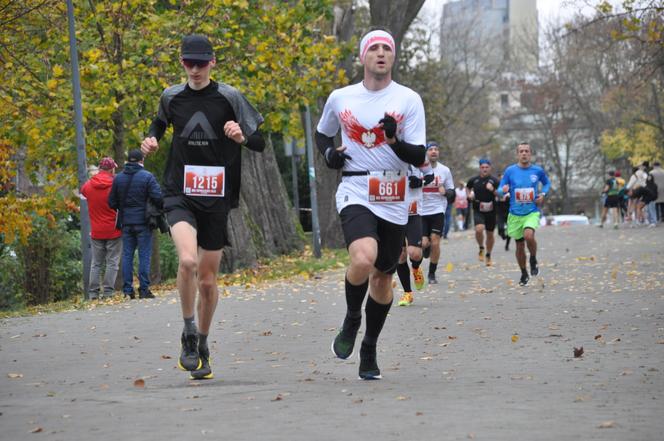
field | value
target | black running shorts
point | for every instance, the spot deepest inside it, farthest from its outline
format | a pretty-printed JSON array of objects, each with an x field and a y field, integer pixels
[
  {"x": 414, "y": 231},
  {"x": 358, "y": 221},
  {"x": 433, "y": 224},
  {"x": 612, "y": 201},
  {"x": 211, "y": 227},
  {"x": 486, "y": 218}
]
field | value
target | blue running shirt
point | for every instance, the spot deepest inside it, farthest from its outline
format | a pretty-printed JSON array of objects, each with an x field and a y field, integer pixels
[{"x": 524, "y": 183}]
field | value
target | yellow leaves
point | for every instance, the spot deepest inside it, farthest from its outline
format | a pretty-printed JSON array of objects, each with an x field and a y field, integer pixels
[
  {"x": 515, "y": 338},
  {"x": 52, "y": 84},
  {"x": 605, "y": 7},
  {"x": 638, "y": 142},
  {"x": 93, "y": 55},
  {"x": 58, "y": 71}
]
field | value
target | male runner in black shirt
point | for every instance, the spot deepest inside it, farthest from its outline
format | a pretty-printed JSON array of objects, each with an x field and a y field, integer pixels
[
  {"x": 211, "y": 121},
  {"x": 482, "y": 190}
]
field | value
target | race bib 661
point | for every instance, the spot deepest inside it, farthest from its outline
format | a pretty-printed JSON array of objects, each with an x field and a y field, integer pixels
[{"x": 387, "y": 186}]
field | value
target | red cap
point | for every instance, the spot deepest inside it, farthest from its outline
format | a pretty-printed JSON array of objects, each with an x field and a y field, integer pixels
[
  {"x": 107, "y": 163},
  {"x": 618, "y": 174}
]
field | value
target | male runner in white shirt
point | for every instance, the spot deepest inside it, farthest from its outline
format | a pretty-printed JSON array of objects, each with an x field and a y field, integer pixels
[
  {"x": 383, "y": 131},
  {"x": 435, "y": 200}
]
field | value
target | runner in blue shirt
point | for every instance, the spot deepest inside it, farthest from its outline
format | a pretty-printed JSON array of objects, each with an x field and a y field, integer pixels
[{"x": 522, "y": 181}]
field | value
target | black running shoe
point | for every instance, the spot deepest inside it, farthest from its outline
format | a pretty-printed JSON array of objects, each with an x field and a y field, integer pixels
[
  {"x": 147, "y": 294},
  {"x": 432, "y": 279},
  {"x": 205, "y": 371},
  {"x": 524, "y": 279},
  {"x": 368, "y": 366},
  {"x": 533, "y": 266},
  {"x": 189, "y": 359},
  {"x": 131, "y": 295},
  {"x": 426, "y": 252},
  {"x": 344, "y": 342}
]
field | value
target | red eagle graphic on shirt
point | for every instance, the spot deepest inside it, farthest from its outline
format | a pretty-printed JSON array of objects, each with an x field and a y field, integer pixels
[{"x": 370, "y": 138}]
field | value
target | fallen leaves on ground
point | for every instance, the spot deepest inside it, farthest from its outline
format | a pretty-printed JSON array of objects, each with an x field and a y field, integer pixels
[
  {"x": 607, "y": 425},
  {"x": 14, "y": 375},
  {"x": 578, "y": 352},
  {"x": 140, "y": 383}
]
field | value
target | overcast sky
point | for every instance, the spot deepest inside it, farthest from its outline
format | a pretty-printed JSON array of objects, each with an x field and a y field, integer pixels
[{"x": 556, "y": 11}]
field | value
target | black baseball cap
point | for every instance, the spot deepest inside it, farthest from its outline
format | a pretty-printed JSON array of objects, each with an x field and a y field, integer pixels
[
  {"x": 134, "y": 156},
  {"x": 196, "y": 47}
]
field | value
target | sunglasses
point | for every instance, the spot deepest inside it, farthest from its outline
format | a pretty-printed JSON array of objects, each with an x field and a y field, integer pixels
[{"x": 195, "y": 63}]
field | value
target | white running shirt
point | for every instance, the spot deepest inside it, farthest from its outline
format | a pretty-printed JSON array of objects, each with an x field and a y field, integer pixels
[
  {"x": 433, "y": 201},
  {"x": 357, "y": 110}
]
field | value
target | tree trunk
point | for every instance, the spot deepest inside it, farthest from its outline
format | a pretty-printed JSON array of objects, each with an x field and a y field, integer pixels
[
  {"x": 264, "y": 225},
  {"x": 242, "y": 252},
  {"x": 395, "y": 15}
]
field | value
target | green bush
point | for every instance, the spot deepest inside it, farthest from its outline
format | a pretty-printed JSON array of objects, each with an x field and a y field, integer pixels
[
  {"x": 10, "y": 280},
  {"x": 66, "y": 267},
  {"x": 168, "y": 257},
  {"x": 44, "y": 269}
]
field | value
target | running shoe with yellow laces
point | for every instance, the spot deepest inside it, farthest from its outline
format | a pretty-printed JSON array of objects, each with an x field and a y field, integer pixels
[
  {"x": 418, "y": 278},
  {"x": 205, "y": 371},
  {"x": 481, "y": 254},
  {"x": 487, "y": 260},
  {"x": 406, "y": 299},
  {"x": 189, "y": 359}
]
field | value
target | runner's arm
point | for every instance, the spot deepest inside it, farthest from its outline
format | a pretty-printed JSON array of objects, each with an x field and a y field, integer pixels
[
  {"x": 411, "y": 153},
  {"x": 255, "y": 141},
  {"x": 334, "y": 158},
  {"x": 324, "y": 142},
  {"x": 503, "y": 182},
  {"x": 546, "y": 184}
]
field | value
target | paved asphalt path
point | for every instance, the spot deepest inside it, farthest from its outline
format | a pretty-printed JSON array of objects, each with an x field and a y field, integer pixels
[{"x": 476, "y": 357}]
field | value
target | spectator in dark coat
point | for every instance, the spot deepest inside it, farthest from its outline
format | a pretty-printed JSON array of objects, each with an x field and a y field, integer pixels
[{"x": 129, "y": 194}]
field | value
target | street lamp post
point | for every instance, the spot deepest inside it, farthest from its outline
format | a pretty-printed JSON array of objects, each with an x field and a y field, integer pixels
[{"x": 80, "y": 148}]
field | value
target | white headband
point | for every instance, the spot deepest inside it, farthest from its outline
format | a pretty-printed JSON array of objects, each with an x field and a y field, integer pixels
[{"x": 375, "y": 37}]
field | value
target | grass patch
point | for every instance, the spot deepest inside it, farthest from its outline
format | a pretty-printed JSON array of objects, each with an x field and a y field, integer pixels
[{"x": 302, "y": 264}]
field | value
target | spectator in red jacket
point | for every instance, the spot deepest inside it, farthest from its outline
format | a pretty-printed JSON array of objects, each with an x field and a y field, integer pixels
[{"x": 106, "y": 239}]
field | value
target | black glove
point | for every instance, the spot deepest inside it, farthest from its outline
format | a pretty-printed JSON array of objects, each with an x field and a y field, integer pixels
[
  {"x": 389, "y": 126},
  {"x": 428, "y": 179},
  {"x": 414, "y": 182},
  {"x": 335, "y": 159},
  {"x": 450, "y": 194}
]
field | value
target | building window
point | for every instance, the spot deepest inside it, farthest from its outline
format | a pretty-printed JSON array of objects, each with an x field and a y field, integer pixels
[{"x": 504, "y": 101}]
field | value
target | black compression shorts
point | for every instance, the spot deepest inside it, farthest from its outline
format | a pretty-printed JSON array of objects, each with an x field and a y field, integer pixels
[
  {"x": 414, "y": 231},
  {"x": 433, "y": 224},
  {"x": 211, "y": 227},
  {"x": 487, "y": 218},
  {"x": 358, "y": 221}
]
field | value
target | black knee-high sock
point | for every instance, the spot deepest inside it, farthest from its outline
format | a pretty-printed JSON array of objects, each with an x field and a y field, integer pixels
[
  {"x": 404, "y": 276},
  {"x": 416, "y": 263},
  {"x": 354, "y": 298},
  {"x": 376, "y": 315},
  {"x": 432, "y": 267}
]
